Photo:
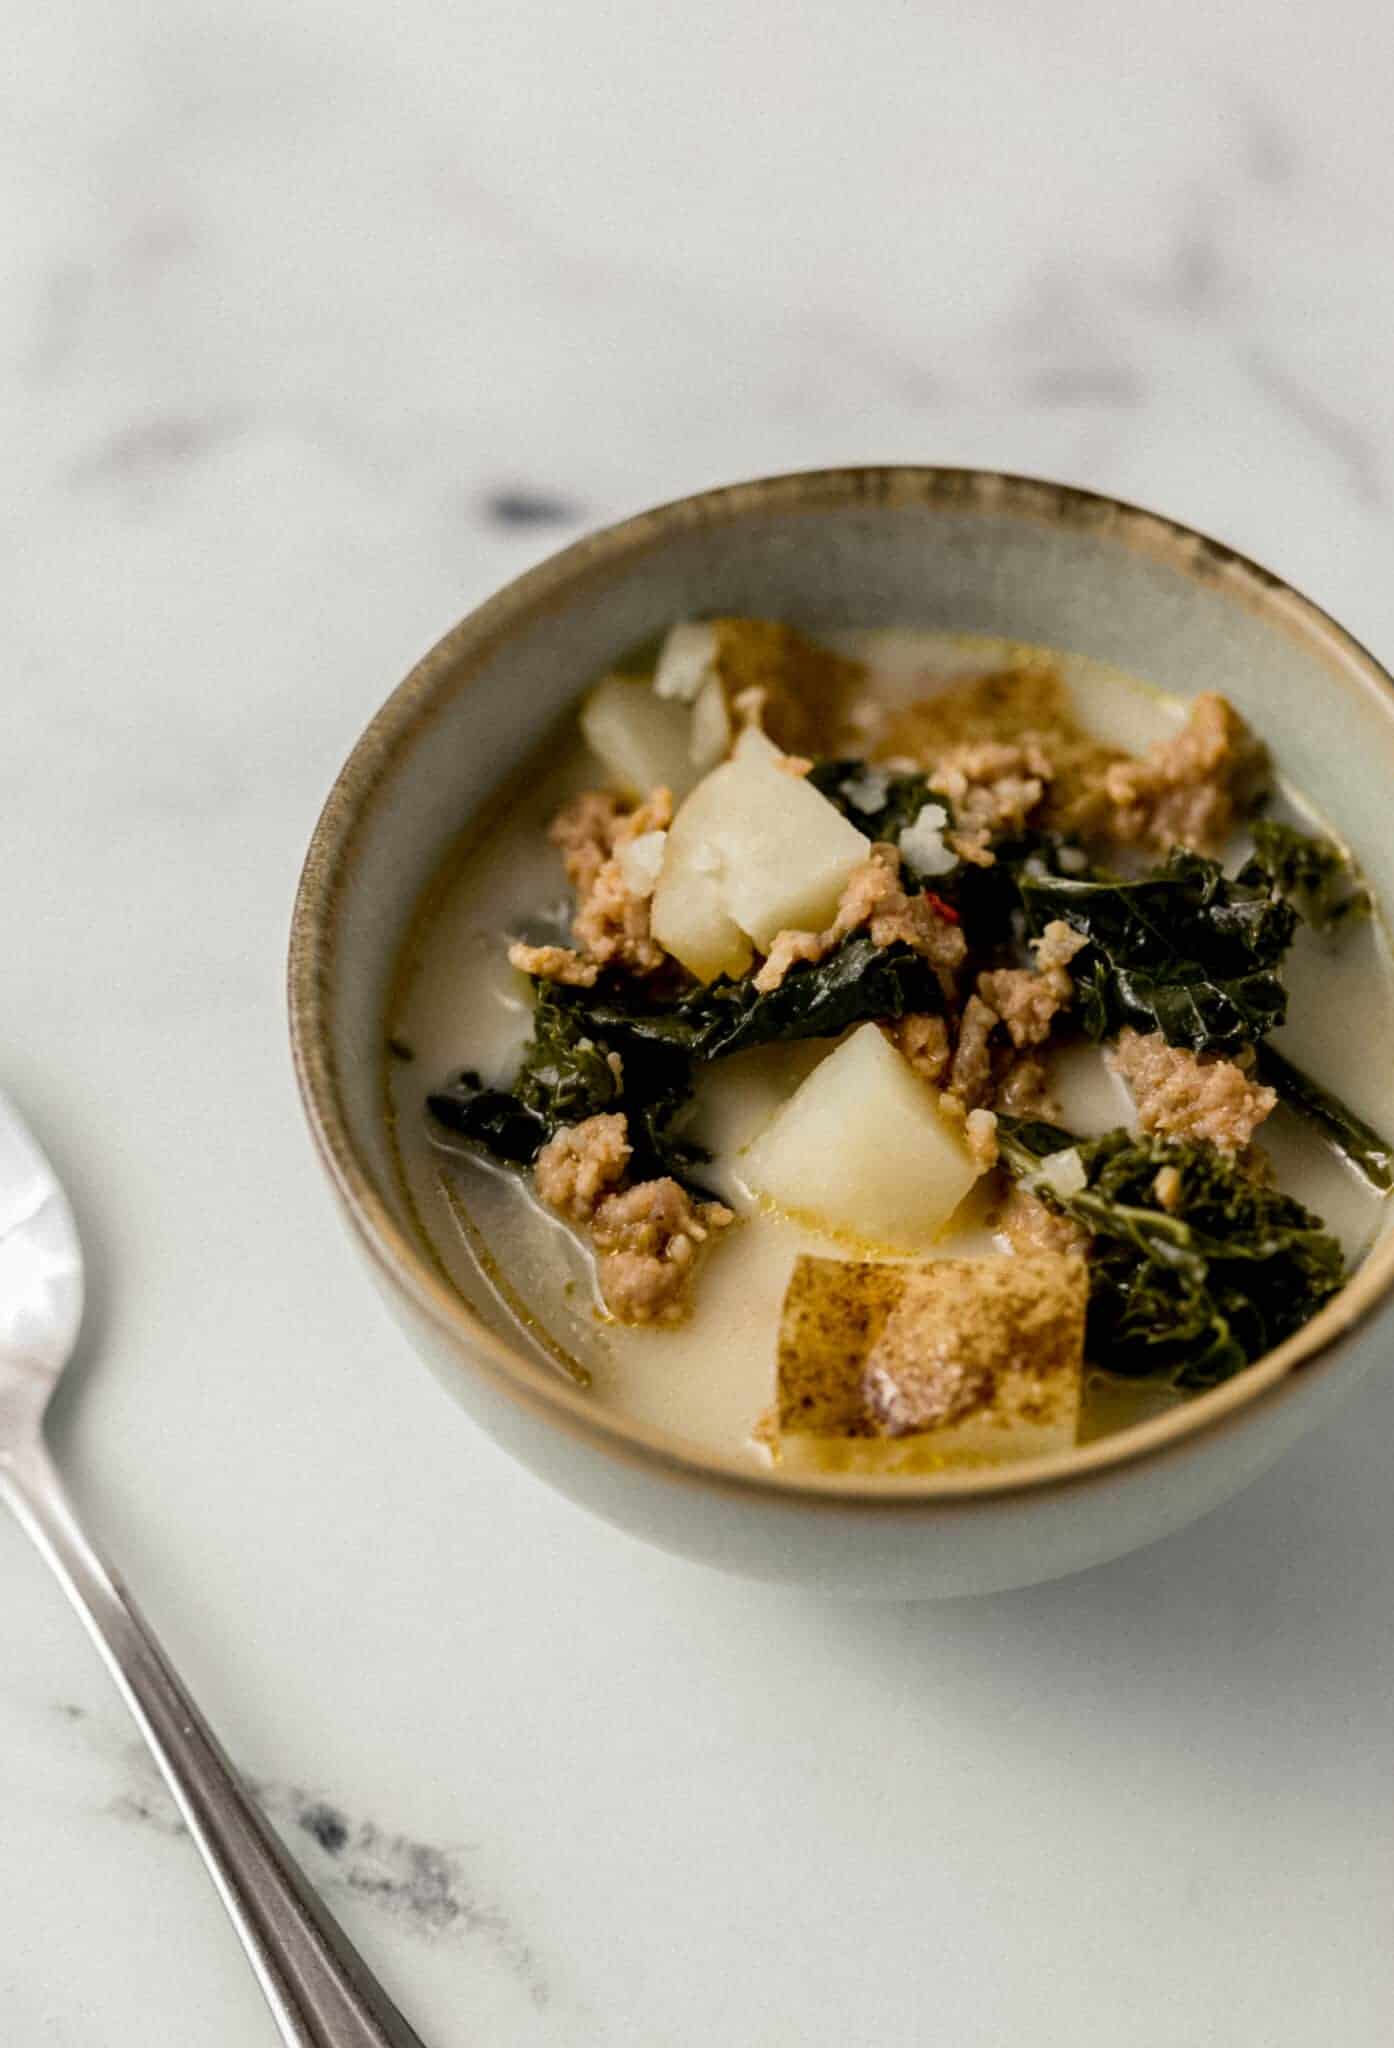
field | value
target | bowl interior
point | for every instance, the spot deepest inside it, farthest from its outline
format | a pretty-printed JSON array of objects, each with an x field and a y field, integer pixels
[{"x": 946, "y": 549}]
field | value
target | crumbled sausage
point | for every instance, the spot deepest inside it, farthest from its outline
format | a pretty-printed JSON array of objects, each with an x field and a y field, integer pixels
[
  {"x": 582, "y": 1164},
  {"x": 1022, "y": 1087},
  {"x": 1027, "y": 705},
  {"x": 1191, "y": 789},
  {"x": 553, "y": 963},
  {"x": 988, "y": 1072},
  {"x": 980, "y": 1135},
  {"x": 923, "y": 1039},
  {"x": 584, "y": 832},
  {"x": 1031, "y": 1225},
  {"x": 1057, "y": 946},
  {"x": 648, "y": 1239},
  {"x": 791, "y": 949},
  {"x": 611, "y": 924},
  {"x": 1007, "y": 750},
  {"x": 994, "y": 786},
  {"x": 1076, "y": 804},
  {"x": 1184, "y": 1094},
  {"x": 874, "y": 898},
  {"x": 970, "y": 1075},
  {"x": 1028, "y": 999}
]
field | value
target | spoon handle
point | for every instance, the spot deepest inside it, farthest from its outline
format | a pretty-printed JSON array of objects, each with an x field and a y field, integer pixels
[{"x": 322, "y": 1993}]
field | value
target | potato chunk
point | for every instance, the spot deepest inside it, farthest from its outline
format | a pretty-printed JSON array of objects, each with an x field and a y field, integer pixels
[
  {"x": 642, "y": 740},
  {"x": 711, "y": 728},
  {"x": 789, "y": 860},
  {"x": 861, "y": 1150},
  {"x": 689, "y": 917},
  {"x": 759, "y": 846},
  {"x": 906, "y": 1369}
]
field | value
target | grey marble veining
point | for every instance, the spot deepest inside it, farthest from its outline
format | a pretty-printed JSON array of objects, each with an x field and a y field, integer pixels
[
  {"x": 316, "y": 326},
  {"x": 426, "y": 1889}
]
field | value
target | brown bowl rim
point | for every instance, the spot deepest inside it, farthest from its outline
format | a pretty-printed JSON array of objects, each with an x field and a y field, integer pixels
[{"x": 451, "y": 665}]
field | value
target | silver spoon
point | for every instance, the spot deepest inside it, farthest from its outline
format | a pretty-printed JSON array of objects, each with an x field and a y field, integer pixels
[{"x": 322, "y": 1993}]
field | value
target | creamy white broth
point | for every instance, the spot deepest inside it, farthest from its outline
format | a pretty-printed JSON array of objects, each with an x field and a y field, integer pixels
[{"x": 460, "y": 1004}]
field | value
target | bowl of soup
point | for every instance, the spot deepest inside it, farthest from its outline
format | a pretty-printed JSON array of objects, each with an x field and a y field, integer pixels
[{"x": 850, "y": 1015}]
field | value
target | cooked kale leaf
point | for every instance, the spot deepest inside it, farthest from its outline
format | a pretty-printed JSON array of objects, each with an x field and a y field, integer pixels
[
  {"x": 878, "y": 803},
  {"x": 988, "y": 899},
  {"x": 594, "y": 1050},
  {"x": 1194, "y": 954},
  {"x": 1190, "y": 1293},
  {"x": 563, "y": 1078},
  {"x": 1369, "y": 1153},
  {"x": 1313, "y": 874},
  {"x": 818, "y": 999},
  {"x": 490, "y": 1117},
  {"x": 567, "y": 1075},
  {"x": 1186, "y": 951}
]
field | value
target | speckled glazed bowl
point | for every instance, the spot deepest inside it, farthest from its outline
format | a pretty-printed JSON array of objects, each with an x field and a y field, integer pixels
[{"x": 952, "y": 549}]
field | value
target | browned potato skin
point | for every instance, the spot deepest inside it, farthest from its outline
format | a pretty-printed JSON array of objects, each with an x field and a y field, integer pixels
[{"x": 918, "y": 1368}]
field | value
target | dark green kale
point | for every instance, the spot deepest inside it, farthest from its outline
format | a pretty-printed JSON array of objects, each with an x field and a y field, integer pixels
[
  {"x": 1369, "y": 1153},
  {"x": 878, "y": 803},
  {"x": 1192, "y": 1292},
  {"x": 818, "y": 999},
  {"x": 566, "y": 1075},
  {"x": 1313, "y": 874},
  {"x": 657, "y": 1147},
  {"x": 489, "y": 1117},
  {"x": 563, "y": 1078},
  {"x": 989, "y": 899},
  {"x": 594, "y": 1050},
  {"x": 1194, "y": 954},
  {"x": 1186, "y": 951}
]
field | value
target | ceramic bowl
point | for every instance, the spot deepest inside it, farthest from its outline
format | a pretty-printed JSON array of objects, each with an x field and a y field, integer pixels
[{"x": 949, "y": 549}]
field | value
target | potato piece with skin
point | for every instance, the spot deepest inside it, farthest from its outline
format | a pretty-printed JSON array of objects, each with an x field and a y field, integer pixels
[
  {"x": 756, "y": 847},
  {"x": 642, "y": 741},
  {"x": 898, "y": 1369},
  {"x": 861, "y": 1150}
]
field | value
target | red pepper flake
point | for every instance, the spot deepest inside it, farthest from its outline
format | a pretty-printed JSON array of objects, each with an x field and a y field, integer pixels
[{"x": 945, "y": 910}]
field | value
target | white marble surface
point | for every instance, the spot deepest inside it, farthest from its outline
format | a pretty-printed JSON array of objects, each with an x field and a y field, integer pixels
[{"x": 317, "y": 323}]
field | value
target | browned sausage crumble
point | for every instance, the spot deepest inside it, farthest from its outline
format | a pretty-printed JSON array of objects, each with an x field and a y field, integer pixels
[
  {"x": 647, "y": 1237},
  {"x": 1185, "y": 1094}
]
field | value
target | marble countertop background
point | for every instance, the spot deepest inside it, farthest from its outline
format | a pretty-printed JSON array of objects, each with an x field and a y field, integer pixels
[{"x": 316, "y": 325}]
